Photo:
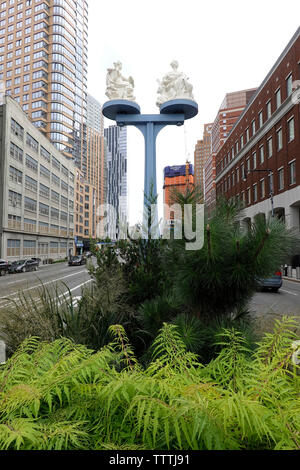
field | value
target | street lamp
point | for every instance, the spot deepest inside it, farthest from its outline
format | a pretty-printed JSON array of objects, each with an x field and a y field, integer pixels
[{"x": 270, "y": 173}]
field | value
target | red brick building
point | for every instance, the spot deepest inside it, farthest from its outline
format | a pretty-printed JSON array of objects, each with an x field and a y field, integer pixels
[
  {"x": 230, "y": 110},
  {"x": 261, "y": 156}
]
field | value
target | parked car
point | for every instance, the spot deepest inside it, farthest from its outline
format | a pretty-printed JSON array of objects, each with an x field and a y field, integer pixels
[
  {"x": 3, "y": 267},
  {"x": 273, "y": 282},
  {"x": 88, "y": 254},
  {"x": 38, "y": 260},
  {"x": 23, "y": 266},
  {"x": 77, "y": 260}
]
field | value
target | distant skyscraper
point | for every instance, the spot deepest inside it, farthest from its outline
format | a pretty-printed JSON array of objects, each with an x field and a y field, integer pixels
[
  {"x": 94, "y": 115},
  {"x": 201, "y": 155},
  {"x": 116, "y": 176},
  {"x": 43, "y": 63},
  {"x": 179, "y": 177},
  {"x": 231, "y": 108}
]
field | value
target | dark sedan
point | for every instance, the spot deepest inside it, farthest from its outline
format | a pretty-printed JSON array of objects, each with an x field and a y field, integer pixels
[
  {"x": 77, "y": 260},
  {"x": 23, "y": 266},
  {"x": 3, "y": 267},
  {"x": 273, "y": 282}
]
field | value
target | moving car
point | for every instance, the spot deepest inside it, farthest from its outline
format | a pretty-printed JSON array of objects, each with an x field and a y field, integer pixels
[
  {"x": 273, "y": 282},
  {"x": 23, "y": 266},
  {"x": 3, "y": 267},
  {"x": 77, "y": 260}
]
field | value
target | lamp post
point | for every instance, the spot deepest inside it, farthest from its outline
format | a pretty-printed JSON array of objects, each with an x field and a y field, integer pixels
[
  {"x": 127, "y": 113},
  {"x": 270, "y": 173}
]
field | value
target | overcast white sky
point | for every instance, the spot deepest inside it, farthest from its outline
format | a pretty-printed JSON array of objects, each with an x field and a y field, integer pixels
[{"x": 222, "y": 46}]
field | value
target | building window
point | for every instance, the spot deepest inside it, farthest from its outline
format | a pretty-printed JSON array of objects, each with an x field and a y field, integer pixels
[
  {"x": 15, "y": 176},
  {"x": 280, "y": 179},
  {"x": 16, "y": 129},
  {"x": 30, "y": 184},
  {"x": 291, "y": 129},
  {"x": 260, "y": 119},
  {"x": 16, "y": 152},
  {"x": 269, "y": 109},
  {"x": 278, "y": 98},
  {"x": 254, "y": 160},
  {"x": 253, "y": 127},
  {"x": 254, "y": 192},
  {"x": 30, "y": 204},
  {"x": 271, "y": 183},
  {"x": 292, "y": 172},
  {"x": 31, "y": 163},
  {"x": 289, "y": 85},
  {"x": 262, "y": 188},
  {"x": 13, "y": 247},
  {"x": 248, "y": 164},
  {"x": 247, "y": 134},
  {"x": 14, "y": 199},
  {"x": 279, "y": 139},
  {"x": 248, "y": 196},
  {"x": 261, "y": 154},
  {"x": 237, "y": 174},
  {"x": 270, "y": 147},
  {"x": 33, "y": 144},
  {"x": 44, "y": 209}
]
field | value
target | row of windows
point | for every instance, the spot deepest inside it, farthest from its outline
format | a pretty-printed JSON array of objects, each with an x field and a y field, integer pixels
[
  {"x": 31, "y": 205},
  {"x": 279, "y": 144},
  {"x": 31, "y": 247},
  {"x": 263, "y": 116},
  {"x": 17, "y": 152},
  {"x": 16, "y": 176},
  {"x": 234, "y": 178}
]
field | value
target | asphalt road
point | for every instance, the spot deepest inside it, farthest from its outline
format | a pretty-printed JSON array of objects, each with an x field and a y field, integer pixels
[
  {"x": 52, "y": 276},
  {"x": 284, "y": 302}
]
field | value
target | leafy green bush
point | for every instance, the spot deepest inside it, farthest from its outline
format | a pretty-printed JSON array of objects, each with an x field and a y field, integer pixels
[{"x": 60, "y": 395}]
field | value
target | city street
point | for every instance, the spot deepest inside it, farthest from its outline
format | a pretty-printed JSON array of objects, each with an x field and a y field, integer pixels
[
  {"x": 74, "y": 277},
  {"x": 285, "y": 301}
]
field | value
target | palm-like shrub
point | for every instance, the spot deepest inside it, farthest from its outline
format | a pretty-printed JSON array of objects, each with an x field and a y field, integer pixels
[
  {"x": 64, "y": 396},
  {"x": 223, "y": 275}
]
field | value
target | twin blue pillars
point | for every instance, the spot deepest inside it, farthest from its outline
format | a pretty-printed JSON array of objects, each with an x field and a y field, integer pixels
[{"x": 127, "y": 113}]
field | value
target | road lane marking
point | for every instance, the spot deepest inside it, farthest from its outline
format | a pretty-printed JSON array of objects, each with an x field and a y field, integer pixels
[
  {"x": 45, "y": 283},
  {"x": 288, "y": 292},
  {"x": 64, "y": 294}
]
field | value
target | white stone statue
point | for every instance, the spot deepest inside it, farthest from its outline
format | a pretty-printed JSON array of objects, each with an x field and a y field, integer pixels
[
  {"x": 174, "y": 85},
  {"x": 119, "y": 87}
]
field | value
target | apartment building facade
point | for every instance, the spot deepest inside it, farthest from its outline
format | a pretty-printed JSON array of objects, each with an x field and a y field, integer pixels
[
  {"x": 43, "y": 63},
  {"x": 36, "y": 191},
  {"x": 116, "y": 179},
  {"x": 85, "y": 224},
  {"x": 179, "y": 178},
  {"x": 201, "y": 156},
  {"x": 259, "y": 163}
]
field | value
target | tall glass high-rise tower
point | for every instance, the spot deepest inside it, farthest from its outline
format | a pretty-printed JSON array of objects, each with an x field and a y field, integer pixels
[{"x": 43, "y": 64}]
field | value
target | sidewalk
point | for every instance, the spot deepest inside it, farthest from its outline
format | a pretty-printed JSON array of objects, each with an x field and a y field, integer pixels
[{"x": 290, "y": 279}]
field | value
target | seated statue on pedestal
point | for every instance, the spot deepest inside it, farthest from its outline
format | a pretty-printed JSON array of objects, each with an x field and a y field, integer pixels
[
  {"x": 119, "y": 87},
  {"x": 174, "y": 85}
]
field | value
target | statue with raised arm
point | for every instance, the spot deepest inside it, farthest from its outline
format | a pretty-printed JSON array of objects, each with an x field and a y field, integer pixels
[
  {"x": 119, "y": 87},
  {"x": 174, "y": 85}
]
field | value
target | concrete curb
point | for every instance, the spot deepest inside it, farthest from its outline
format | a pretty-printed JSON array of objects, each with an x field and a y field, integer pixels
[{"x": 291, "y": 279}]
